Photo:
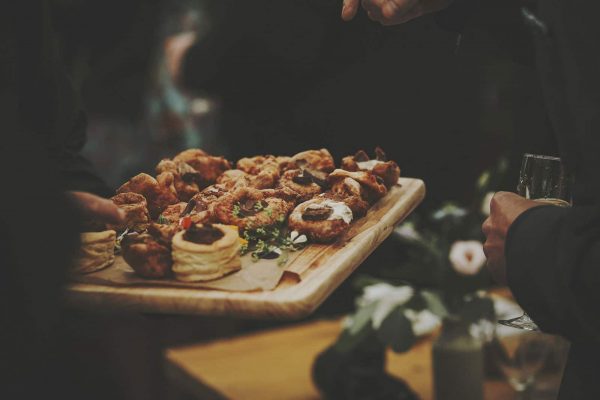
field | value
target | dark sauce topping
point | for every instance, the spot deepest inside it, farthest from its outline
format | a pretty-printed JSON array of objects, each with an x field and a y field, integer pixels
[
  {"x": 310, "y": 176},
  {"x": 361, "y": 156},
  {"x": 317, "y": 213},
  {"x": 249, "y": 207},
  {"x": 302, "y": 178},
  {"x": 191, "y": 205},
  {"x": 188, "y": 173},
  {"x": 380, "y": 154},
  {"x": 204, "y": 234}
]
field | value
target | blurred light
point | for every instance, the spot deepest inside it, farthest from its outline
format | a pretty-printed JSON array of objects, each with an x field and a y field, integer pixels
[{"x": 200, "y": 106}]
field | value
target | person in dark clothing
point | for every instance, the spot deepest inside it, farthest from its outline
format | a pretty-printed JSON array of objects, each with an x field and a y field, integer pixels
[
  {"x": 549, "y": 256},
  {"x": 290, "y": 75},
  {"x": 48, "y": 189}
]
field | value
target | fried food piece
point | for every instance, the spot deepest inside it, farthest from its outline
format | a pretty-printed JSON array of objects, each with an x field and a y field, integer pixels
[
  {"x": 266, "y": 179},
  {"x": 349, "y": 191},
  {"x": 372, "y": 186},
  {"x": 301, "y": 183},
  {"x": 388, "y": 171},
  {"x": 159, "y": 193},
  {"x": 251, "y": 208},
  {"x": 254, "y": 165},
  {"x": 263, "y": 171},
  {"x": 209, "y": 167},
  {"x": 319, "y": 160},
  {"x": 187, "y": 180},
  {"x": 135, "y": 206},
  {"x": 173, "y": 213},
  {"x": 148, "y": 257},
  {"x": 321, "y": 219},
  {"x": 206, "y": 199},
  {"x": 234, "y": 178},
  {"x": 285, "y": 163},
  {"x": 163, "y": 233}
]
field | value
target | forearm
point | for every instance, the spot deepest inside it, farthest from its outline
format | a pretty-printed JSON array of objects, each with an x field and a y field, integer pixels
[{"x": 553, "y": 269}]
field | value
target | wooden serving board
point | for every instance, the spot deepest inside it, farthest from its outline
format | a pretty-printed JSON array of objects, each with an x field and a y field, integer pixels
[{"x": 315, "y": 272}]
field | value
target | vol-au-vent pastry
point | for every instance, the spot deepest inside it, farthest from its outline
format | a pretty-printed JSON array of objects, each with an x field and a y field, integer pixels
[
  {"x": 135, "y": 206},
  {"x": 96, "y": 251},
  {"x": 206, "y": 252},
  {"x": 322, "y": 219}
]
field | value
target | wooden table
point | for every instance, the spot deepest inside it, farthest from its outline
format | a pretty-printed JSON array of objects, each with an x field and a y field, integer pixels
[
  {"x": 277, "y": 365},
  {"x": 326, "y": 268}
]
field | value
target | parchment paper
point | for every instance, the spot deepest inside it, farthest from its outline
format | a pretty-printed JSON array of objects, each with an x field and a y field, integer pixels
[{"x": 254, "y": 275}]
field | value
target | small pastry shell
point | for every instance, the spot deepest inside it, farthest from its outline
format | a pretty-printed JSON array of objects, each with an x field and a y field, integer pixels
[
  {"x": 96, "y": 252},
  {"x": 203, "y": 262}
]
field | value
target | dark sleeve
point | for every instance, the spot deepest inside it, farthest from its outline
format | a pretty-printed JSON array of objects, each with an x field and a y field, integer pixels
[
  {"x": 501, "y": 20},
  {"x": 457, "y": 15},
  {"x": 553, "y": 269},
  {"x": 49, "y": 108}
]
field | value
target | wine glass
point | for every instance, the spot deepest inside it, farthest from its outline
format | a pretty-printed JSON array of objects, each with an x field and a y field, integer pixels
[
  {"x": 521, "y": 355},
  {"x": 543, "y": 179}
]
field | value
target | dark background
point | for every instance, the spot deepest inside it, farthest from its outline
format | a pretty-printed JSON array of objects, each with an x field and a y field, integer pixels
[{"x": 280, "y": 77}]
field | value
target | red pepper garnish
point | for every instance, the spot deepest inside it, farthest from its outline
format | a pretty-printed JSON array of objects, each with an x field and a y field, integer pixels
[{"x": 185, "y": 222}]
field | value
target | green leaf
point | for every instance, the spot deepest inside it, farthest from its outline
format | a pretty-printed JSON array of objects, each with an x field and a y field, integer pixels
[
  {"x": 434, "y": 303},
  {"x": 362, "y": 318},
  {"x": 477, "y": 308},
  {"x": 360, "y": 328},
  {"x": 396, "y": 331}
]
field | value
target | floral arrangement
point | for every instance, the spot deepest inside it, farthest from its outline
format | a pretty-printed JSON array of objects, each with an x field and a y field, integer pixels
[{"x": 440, "y": 272}]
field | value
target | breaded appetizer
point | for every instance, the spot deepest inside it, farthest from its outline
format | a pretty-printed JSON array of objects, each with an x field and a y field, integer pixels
[{"x": 321, "y": 219}]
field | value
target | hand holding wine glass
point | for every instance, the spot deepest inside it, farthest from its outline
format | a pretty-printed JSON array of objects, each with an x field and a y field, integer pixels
[{"x": 542, "y": 179}]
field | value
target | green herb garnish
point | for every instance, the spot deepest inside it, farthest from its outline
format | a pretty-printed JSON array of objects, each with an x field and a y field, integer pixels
[{"x": 271, "y": 241}]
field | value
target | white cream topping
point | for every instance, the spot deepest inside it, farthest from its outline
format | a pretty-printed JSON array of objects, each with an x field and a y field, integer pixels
[
  {"x": 368, "y": 165},
  {"x": 340, "y": 210}
]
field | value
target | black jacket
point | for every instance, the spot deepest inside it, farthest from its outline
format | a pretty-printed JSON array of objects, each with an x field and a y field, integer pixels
[{"x": 553, "y": 254}]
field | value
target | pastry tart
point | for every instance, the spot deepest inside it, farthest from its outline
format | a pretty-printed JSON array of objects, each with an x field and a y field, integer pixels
[
  {"x": 96, "y": 252},
  {"x": 206, "y": 252}
]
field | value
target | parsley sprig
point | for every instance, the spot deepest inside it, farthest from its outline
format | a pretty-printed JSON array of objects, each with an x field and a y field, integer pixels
[{"x": 270, "y": 242}]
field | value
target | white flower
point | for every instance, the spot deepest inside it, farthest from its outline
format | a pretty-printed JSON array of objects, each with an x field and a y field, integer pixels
[
  {"x": 423, "y": 322},
  {"x": 391, "y": 300},
  {"x": 467, "y": 257},
  {"x": 483, "y": 330},
  {"x": 485, "y": 203},
  {"x": 407, "y": 231},
  {"x": 374, "y": 293},
  {"x": 296, "y": 238},
  {"x": 449, "y": 210}
]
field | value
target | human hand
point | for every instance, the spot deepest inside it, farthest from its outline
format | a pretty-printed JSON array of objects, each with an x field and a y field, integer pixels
[
  {"x": 505, "y": 207},
  {"x": 393, "y": 12},
  {"x": 96, "y": 208}
]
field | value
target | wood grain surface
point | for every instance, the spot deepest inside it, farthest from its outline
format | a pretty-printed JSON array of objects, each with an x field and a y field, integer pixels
[
  {"x": 313, "y": 273},
  {"x": 277, "y": 365}
]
